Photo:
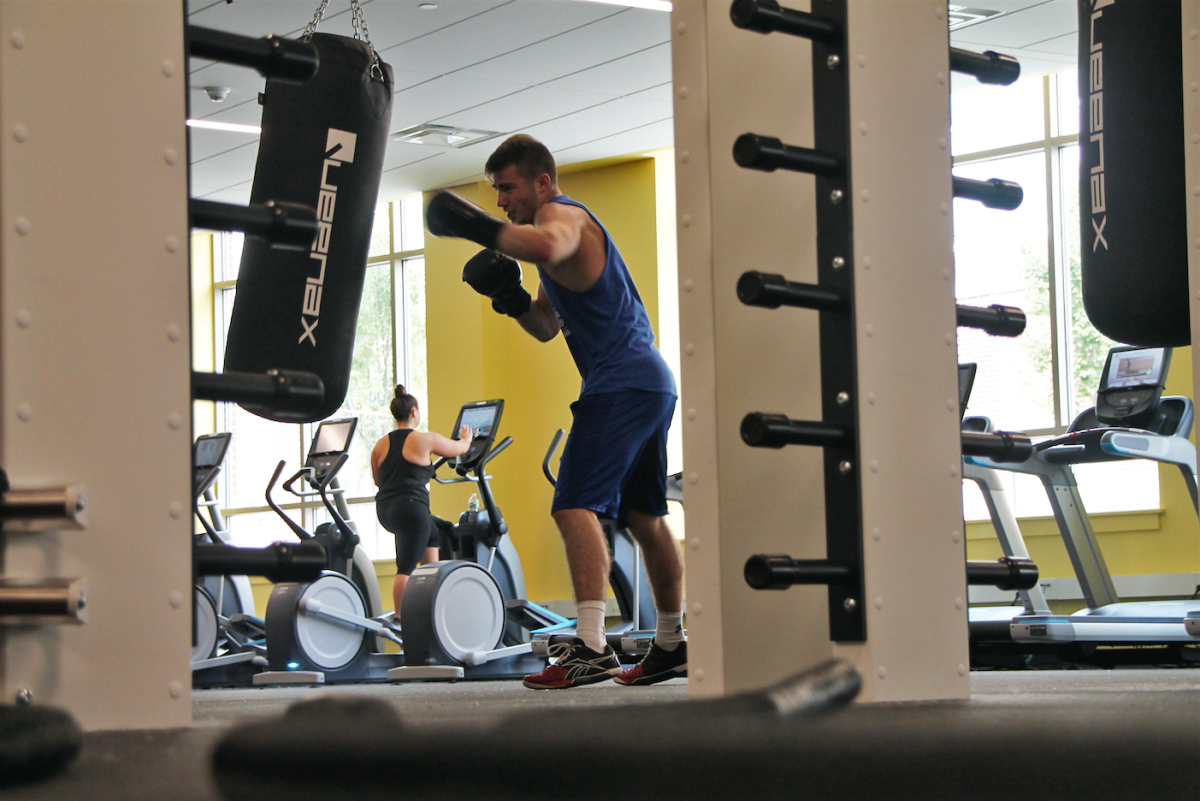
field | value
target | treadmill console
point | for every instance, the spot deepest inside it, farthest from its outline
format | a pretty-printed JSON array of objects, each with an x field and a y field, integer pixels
[
  {"x": 207, "y": 455},
  {"x": 1131, "y": 384},
  {"x": 966, "y": 380},
  {"x": 329, "y": 445},
  {"x": 484, "y": 418}
]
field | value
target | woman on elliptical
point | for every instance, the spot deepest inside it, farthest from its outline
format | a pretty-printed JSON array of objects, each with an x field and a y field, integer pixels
[{"x": 400, "y": 464}]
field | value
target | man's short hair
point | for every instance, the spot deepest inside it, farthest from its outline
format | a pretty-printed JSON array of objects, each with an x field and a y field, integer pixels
[{"x": 531, "y": 157}]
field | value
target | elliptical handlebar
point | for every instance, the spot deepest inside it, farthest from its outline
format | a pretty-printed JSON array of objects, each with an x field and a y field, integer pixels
[
  {"x": 558, "y": 437},
  {"x": 292, "y": 524}
]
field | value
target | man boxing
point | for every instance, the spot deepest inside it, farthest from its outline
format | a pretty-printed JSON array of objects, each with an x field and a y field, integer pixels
[{"x": 615, "y": 460}]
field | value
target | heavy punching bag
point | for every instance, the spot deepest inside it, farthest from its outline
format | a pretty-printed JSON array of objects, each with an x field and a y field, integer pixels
[
  {"x": 322, "y": 145},
  {"x": 1132, "y": 190}
]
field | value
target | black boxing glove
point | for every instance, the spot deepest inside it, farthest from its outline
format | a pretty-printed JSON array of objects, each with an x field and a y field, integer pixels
[
  {"x": 498, "y": 277},
  {"x": 450, "y": 214}
]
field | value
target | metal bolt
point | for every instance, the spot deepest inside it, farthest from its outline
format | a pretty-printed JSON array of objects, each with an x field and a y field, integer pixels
[
  {"x": 843, "y": 398},
  {"x": 845, "y": 467},
  {"x": 850, "y": 604},
  {"x": 833, "y": 61},
  {"x": 24, "y": 696},
  {"x": 838, "y": 262},
  {"x": 836, "y": 196}
]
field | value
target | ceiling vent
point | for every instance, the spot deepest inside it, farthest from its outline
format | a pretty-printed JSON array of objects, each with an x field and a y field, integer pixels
[
  {"x": 964, "y": 16},
  {"x": 441, "y": 135}
]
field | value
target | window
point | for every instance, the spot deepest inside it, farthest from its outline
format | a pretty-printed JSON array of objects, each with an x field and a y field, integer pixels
[
  {"x": 1029, "y": 258},
  {"x": 389, "y": 348}
]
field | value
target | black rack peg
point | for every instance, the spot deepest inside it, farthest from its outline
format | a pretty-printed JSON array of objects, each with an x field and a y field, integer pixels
[
  {"x": 770, "y": 291},
  {"x": 768, "y": 154},
  {"x": 999, "y": 446},
  {"x": 995, "y": 193},
  {"x": 778, "y": 572},
  {"x": 291, "y": 226},
  {"x": 767, "y": 16},
  {"x": 282, "y": 561},
  {"x": 280, "y": 390},
  {"x": 997, "y": 320},
  {"x": 272, "y": 56},
  {"x": 987, "y": 67},
  {"x": 1010, "y": 573},
  {"x": 776, "y": 430}
]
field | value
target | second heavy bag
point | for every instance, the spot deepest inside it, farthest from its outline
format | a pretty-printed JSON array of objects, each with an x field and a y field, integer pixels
[
  {"x": 1132, "y": 190},
  {"x": 322, "y": 145}
]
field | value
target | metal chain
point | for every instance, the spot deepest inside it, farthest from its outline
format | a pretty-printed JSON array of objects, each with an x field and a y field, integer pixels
[
  {"x": 316, "y": 20},
  {"x": 360, "y": 24}
]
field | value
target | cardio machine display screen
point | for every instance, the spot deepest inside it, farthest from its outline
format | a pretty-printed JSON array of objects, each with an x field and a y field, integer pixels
[
  {"x": 1134, "y": 368},
  {"x": 481, "y": 419},
  {"x": 332, "y": 437},
  {"x": 210, "y": 450}
]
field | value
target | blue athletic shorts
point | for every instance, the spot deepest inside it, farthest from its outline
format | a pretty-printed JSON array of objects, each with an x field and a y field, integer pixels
[{"x": 615, "y": 459}]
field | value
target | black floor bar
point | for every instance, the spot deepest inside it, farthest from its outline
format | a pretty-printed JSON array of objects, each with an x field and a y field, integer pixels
[
  {"x": 997, "y": 320},
  {"x": 767, "y": 16},
  {"x": 272, "y": 56},
  {"x": 995, "y": 193},
  {"x": 285, "y": 225},
  {"x": 770, "y": 291},
  {"x": 281, "y": 390},
  {"x": 778, "y": 572},
  {"x": 283, "y": 561},
  {"x": 999, "y": 446},
  {"x": 768, "y": 154},
  {"x": 987, "y": 67},
  {"x": 1009, "y": 573},
  {"x": 763, "y": 430},
  {"x": 776, "y": 430}
]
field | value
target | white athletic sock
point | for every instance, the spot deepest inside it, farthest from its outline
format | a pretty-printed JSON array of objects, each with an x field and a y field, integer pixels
[
  {"x": 590, "y": 628},
  {"x": 668, "y": 633}
]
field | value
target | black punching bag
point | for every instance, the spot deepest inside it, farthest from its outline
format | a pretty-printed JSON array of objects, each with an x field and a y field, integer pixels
[
  {"x": 1132, "y": 189},
  {"x": 322, "y": 145}
]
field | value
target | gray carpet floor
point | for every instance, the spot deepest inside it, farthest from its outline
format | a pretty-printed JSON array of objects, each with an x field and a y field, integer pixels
[{"x": 1010, "y": 717}]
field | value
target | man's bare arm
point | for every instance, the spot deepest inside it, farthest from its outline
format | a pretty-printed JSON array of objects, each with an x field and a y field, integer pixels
[
  {"x": 552, "y": 239},
  {"x": 540, "y": 321}
]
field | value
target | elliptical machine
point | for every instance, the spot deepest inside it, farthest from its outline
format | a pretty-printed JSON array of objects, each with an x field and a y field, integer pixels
[
  {"x": 328, "y": 629},
  {"x": 466, "y": 616},
  {"x": 227, "y": 637}
]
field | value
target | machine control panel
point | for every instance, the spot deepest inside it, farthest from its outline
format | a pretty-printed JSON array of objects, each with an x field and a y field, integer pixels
[{"x": 1131, "y": 384}]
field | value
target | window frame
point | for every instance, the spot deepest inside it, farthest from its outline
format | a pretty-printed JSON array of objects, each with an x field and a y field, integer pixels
[{"x": 312, "y": 511}]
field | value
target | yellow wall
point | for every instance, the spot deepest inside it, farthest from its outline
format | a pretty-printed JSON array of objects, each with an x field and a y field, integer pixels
[
  {"x": 476, "y": 354},
  {"x": 1166, "y": 541}
]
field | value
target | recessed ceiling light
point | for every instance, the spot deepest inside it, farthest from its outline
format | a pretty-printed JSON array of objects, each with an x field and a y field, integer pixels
[
  {"x": 427, "y": 6},
  {"x": 225, "y": 126},
  {"x": 962, "y": 16},
  {"x": 441, "y": 135}
]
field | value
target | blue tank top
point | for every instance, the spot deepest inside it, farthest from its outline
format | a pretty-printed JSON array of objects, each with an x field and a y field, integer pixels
[{"x": 607, "y": 328}]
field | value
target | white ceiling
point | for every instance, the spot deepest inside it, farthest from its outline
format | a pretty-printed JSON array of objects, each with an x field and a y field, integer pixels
[{"x": 590, "y": 80}]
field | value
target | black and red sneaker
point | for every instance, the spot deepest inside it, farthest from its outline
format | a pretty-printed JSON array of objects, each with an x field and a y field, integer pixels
[
  {"x": 658, "y": 665},
  {"x": 577, "y": 664}
]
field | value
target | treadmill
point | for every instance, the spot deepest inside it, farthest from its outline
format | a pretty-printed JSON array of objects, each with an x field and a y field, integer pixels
[{"x": 1131, "y": 420}]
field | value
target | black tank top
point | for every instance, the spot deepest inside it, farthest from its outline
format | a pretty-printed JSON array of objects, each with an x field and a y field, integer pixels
[{"x": 400, "y": 479}]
